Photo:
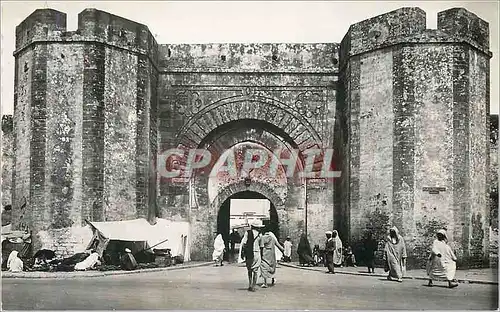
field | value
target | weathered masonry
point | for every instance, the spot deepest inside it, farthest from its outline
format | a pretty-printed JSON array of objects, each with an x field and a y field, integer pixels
[{"x": 405, "y": 108}]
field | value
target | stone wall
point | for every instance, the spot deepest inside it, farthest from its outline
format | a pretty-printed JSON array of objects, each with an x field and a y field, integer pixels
[
  {"x": 479, "y": 158},
  {"x": 493, "y": 181},
  {"x": 62, "y": 147},
  {"x": 22, "y": 137},
  {"x": 430, "y": 129},
  {"x": 120, "y": 119},
  {"x": 284, "y": 90},
  {"x": 405, "y": 107},
  {"x": 83, "y": 121},
  {"x": 7, "y": 159}
]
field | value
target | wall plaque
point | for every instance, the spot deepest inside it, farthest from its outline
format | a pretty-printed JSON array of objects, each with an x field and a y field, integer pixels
[{"x": 434, "y": 189}]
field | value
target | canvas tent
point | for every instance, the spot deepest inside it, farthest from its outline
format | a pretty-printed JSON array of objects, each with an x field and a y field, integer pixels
[{"x": 139, "y": 234}]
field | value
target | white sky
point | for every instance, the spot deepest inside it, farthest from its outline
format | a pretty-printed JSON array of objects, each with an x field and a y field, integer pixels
[
  {"x": 241, "y": 205},
  {"x": 242, "y": 21}
]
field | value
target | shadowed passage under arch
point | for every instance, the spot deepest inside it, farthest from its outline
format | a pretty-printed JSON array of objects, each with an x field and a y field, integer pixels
[{"x": 224, "y": 215}]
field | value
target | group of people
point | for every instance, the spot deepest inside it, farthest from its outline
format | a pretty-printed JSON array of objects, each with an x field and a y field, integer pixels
[
  {"x": 258, "y": 251},
  {"x": 87, "y": 260},
  {"x": 220, "y": 246},
  {"x": 334, "y": 253},
  {"x": 92, "y": 260},
  {"x": 441, "y": 263}
]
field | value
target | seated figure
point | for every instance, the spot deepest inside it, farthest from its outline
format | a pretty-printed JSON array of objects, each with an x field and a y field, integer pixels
[{"x": 349, "y": 258}]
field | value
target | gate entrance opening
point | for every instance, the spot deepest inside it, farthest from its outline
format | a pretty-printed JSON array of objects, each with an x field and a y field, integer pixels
[{"x": 239, "y": 210}]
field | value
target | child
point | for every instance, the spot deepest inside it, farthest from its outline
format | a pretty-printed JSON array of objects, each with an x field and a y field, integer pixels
[
  {"x": 317, "y": 256},
  {"x": 349, "y": 259},
  {"x": 287, "y": 253}
]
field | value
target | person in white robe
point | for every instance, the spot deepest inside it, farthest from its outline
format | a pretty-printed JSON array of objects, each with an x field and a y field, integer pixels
[
  {"x": 288, "y": 250},
  {"x": 219, "y": 247},
  {"x": 269, "y": 257},
  {"x": 14, "y": 263},
  {"x": 337, "y": 254},
  {"x": 442, "y": 261},
  {"x": 89, "y": 263}
]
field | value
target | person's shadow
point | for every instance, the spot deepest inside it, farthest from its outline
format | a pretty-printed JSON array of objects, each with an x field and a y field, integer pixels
[{"x": 436, "y": 285}]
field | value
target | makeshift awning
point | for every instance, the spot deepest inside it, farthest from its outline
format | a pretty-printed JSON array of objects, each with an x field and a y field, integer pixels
[
  {"x": 14, "y": 236},
  {"x": 164, "y": 234},
  {"x": 6, "y": 228},
  {"x": 132, "y": 230}
]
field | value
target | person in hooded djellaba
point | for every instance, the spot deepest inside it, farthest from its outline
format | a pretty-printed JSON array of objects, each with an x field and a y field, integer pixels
[
  {"x": 337, "y": 253},
  {"x": 219, "y": 248},
  {"x": 442, "y": 261},
  {"x": 395, "y": 255},
  {"x": 269, "y": 243},
  {"x": 14, "y": 263},
  {"x": 305, "y": 252}
]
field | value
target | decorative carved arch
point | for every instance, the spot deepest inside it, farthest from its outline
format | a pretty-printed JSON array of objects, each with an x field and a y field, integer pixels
[
  {"x": 201, "y": 193},
  {"x": 227, "y": 140},
  {"x": 212, "y": 116}
]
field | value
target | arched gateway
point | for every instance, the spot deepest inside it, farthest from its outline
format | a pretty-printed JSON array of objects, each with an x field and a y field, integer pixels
[
  {"x": 246, "y": 120},
  {"x": 404, "y": 107}
]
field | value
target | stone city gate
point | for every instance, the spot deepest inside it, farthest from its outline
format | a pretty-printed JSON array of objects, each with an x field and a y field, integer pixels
[
  {"x": 249, "y": 104},
  {"x": 404, "y": 107}
]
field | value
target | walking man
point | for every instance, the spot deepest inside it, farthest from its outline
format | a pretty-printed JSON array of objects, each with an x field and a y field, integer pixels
[
  {"x": 329, "y": 250},
  {"x": 233, "y": 239},
  {"x": 371, "y": 246},
  {"x": 442, "y": 261},
  {"x": 395, "y": 255},
  {"x": 250, "y": 251}
]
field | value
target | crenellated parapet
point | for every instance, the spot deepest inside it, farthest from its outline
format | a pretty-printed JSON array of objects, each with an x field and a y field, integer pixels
[
  {"x": 465, "y": 26},
  {"x": 42, "y": 25},
  {"x": 408, "y": 26},
  {"x": 382, "y": 31},
  {"x": 47, "y": 25}
]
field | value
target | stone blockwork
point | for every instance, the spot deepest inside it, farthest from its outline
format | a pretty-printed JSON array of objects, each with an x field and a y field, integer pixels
[
  {"x": 83, "y": 119},
  {"x": 258, "y": 57},
  {"x": 493, "y": 190},
  {"x": 405, "y": 107},
  {"x": 7, "y": 159},
  {"x": 219, "y": 95},
  {"x": 423, "y": 95}
]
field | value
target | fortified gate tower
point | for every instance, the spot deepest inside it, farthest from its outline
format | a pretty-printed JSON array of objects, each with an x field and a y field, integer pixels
[{"x": 404, "y": 107}]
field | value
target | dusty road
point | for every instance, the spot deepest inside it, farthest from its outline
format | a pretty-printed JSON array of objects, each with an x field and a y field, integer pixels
[{"x": 225, "y": 288}]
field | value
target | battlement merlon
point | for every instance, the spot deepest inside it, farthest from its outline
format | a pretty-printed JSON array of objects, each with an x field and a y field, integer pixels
[
  {"x": 465, "y": 25},
  {"x": 408, "y": 25},
  {"x": 48, "y": 25},
  {"x": 321, "y": 58},
  {"x": 39, "y": 25},
  {"x": 385, "y": 29}
]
